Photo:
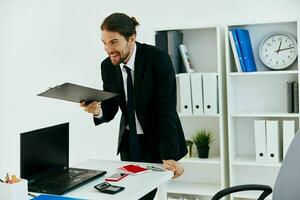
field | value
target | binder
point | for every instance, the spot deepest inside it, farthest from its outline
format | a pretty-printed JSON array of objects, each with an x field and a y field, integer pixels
[
  {"x": 290, "y": 97},
  {"x": 161, "y": 40},
  {"x": 53, "y": 197},
  {"x": 260, "y": 141},
  {"x": 197, "y": 97},
  {"x": 186, "y": 58},
  {"x": 288, "y": 128},
  {"x": 210, "y": 93},
  {"x": 246, "y": 48},
  {"x": 273, "y": 141},
  {"x": 184, "y": 103},
  {"x": 238, "y": 50},
  {"x": 169, "y": 42},
  {"x": 295, "y": 97},
  {"x": 175, "y": 38},
  {"x": 234, "y": 51}
]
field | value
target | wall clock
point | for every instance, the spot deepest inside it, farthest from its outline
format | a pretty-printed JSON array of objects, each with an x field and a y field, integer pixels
[{"x": 278, "y": 51}]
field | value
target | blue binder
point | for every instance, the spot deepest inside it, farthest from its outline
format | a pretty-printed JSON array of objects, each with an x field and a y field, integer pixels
[
  {"x": 246, "y": 48},
  {"x": 238, "y": 49},
  {"x": 53, "y": 197}
]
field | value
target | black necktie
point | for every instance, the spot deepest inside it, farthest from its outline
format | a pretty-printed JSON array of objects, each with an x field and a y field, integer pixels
[{"x": 133, "y": 140}]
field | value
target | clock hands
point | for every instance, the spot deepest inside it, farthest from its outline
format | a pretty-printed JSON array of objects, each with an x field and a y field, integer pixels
[
  {"x": 278, "y": 48},
  {"x": 283, "y": 49}
]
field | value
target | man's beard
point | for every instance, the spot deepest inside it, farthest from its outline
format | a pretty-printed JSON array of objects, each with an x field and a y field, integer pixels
[{"x": 122, "y": 59}]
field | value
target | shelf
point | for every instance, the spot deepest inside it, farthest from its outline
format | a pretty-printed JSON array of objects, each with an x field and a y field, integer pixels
[
  {"x": 192, "y": 115},
  {"x": 193, "y": 188},
  {"x": 213, "y": 159},
  {"x": 251, "y": 161},
  {"x": 258, "y": 73},
  {"x": 266, "y": 114},
  {"x": 249, "y": 195}
]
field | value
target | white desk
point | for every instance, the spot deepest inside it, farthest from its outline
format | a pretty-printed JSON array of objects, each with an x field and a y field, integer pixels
[{"x": 136, "y": 186}]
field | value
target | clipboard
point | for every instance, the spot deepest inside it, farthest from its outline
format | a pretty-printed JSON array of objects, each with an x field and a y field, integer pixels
[{"x": 77, "y": 93}]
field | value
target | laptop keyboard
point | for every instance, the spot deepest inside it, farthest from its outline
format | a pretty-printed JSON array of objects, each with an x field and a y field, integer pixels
[{"x": 64, "y": 177}]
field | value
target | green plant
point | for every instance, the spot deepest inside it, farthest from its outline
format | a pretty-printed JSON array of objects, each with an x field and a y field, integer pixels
[{"x": 203, "y": 138}]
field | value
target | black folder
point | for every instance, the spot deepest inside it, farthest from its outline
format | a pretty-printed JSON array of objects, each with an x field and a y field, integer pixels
[{"x": 77, "y": 93}]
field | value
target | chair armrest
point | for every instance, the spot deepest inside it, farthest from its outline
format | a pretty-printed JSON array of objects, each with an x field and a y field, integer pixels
[{"x": 266, "y": 190}]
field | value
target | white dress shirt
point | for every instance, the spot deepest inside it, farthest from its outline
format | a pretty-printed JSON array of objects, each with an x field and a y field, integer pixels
[{"x": 130, "y": 65}]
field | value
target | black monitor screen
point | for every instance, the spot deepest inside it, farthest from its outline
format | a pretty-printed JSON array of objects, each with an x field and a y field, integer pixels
[{"x": 44, "y": 149}]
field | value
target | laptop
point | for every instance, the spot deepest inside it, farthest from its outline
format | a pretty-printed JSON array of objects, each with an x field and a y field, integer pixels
[{"x": 45, "y": 161}]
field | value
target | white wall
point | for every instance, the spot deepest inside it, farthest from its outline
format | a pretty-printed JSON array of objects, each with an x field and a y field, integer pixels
[{"x": 48, "y": 42}]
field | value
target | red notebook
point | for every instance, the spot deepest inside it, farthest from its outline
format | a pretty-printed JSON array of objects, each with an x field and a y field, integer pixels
[{"x": 133, "y": 169}]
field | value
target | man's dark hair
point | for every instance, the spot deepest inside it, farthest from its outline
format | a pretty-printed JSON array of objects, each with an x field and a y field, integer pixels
[{"x": 121, "y": 23}]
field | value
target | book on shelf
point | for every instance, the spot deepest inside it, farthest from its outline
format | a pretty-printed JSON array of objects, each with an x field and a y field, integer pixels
[
  {"x": 292, "y": 97},
  {"x": 295, "y": 97},
  {"x": 186, "y": 58},
  {"x": 246, "y": 49},
  {"x": 169, "y": 41},
  {"x": 236, "y": 50}
]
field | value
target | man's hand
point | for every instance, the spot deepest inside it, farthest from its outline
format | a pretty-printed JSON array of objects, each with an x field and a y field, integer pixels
[
  {"x": 93, "y": 107},
  {"x": 173, "y": 166}
]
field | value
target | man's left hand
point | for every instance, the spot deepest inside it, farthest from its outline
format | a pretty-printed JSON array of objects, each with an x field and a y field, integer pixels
[{"x": 173, "y": 166}]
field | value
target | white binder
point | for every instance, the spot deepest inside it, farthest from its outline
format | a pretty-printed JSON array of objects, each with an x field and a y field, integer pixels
[
  {"x": 260, "y": 140},
  {"x": 210, "y": 93},
  {"x": 273, "y": 141},
  {"x": 288, "y": 127},
  {"x": 197, "y": 99},
  {"x": 184, "y": 104},
  {"x": 234, "y": 51}
]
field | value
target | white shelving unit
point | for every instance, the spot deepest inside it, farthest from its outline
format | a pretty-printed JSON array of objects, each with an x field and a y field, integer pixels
[
  {"x": 205, "y": 177},
  {"x": 253, "y": 96}
]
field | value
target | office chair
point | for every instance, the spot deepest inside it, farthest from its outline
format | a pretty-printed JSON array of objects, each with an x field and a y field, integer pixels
[{"x": 287, "y": 182}]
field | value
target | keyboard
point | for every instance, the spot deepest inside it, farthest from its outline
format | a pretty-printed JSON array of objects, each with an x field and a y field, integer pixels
[{"x": 64, "y": 177}]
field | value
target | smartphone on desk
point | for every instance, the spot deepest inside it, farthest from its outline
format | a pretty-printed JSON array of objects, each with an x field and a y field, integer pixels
[{"x": 116, "y": 177}]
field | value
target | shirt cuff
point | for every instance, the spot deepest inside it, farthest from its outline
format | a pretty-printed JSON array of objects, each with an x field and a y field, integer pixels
[{"x": 98, "y": 116}]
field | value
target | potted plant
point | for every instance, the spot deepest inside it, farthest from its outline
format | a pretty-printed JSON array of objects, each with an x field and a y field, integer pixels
[
  {"x": 189, "y": 144},
  {"x": 203, "y": 139}
]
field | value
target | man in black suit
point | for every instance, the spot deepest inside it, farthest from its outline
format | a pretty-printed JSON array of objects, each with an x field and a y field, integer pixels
[{"x": 143, "y": 76}]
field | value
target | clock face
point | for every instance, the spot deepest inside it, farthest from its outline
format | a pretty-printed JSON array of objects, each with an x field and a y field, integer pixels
[{"x": 278, "y": 51}]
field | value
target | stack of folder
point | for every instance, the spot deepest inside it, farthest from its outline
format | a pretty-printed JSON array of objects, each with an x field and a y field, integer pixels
[
  {"x": 197, "y": 93},
  {"x": 269, "y": 142},
  {"x": 242, "y": 50}
]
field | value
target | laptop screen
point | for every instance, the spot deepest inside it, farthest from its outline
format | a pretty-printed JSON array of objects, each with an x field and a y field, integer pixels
[{"x": 44, "y": 149}]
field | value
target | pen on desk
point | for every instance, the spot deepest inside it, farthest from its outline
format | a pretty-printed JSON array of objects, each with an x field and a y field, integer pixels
[{"x": 7, "y": 179}]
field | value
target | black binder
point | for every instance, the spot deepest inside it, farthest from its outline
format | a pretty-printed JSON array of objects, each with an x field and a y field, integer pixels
[
  {"x": 169, "y": 41},
  {"x": 77, "y": 93}
]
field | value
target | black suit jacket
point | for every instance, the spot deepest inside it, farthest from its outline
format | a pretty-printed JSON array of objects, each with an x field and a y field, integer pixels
[{"x": 155, "y": 101}]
